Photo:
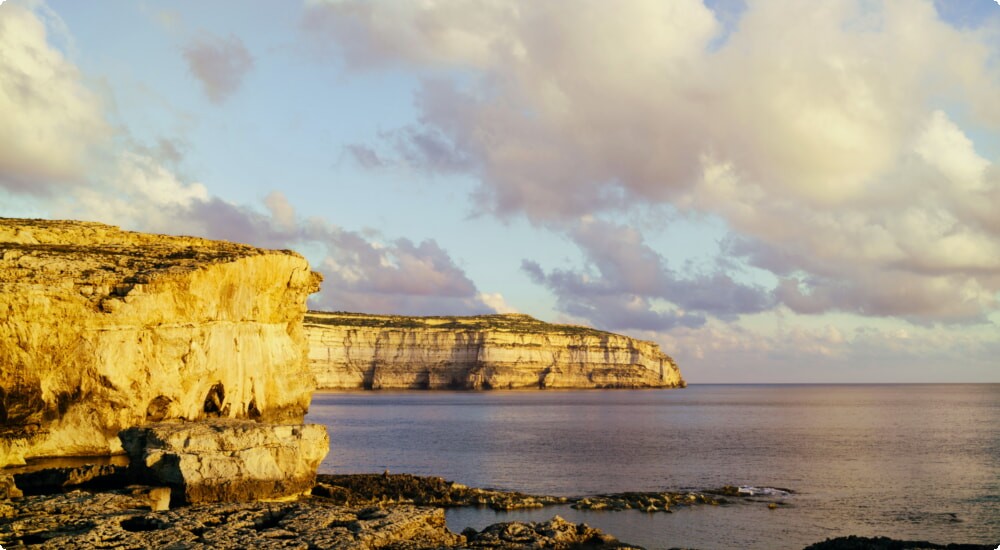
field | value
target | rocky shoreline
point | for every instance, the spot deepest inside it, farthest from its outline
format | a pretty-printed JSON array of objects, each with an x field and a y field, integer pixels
[
  {"x": 191, "y": 357},
  {"x": 101, "y": 507},
  {"x": 96, "y": 507}
]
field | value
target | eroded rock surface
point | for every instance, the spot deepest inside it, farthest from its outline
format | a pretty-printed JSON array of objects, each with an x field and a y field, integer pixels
[
  {"x": 111, "y": 520},
  {"x": 103, "y": 329},
  {"x": 104, "y": 520},
  {"x": 227, "y": 460},
  {"x": 349, "y": 350},
  {"x": 557, "y": 534}
]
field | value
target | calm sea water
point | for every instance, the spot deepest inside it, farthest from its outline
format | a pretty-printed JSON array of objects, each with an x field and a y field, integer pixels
[{"x": 905, "y": 461}]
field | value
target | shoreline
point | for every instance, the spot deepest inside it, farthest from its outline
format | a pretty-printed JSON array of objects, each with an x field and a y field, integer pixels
[{"x": 356, "y": 511}]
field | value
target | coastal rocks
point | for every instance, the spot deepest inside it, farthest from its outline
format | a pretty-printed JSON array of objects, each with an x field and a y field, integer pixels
[
  {"x": 103, "y": 520},
  {"x": 656, "y": 501},
  {"x": 9, "y": 489},
  {"x": 885, "y": 543},
  {"x": 644, "y": 501},
  {"x": 55, "y": 480},
  {"x": 557, "y": 534},
  {"x": 227, "y": 460},
  {"x": 103, "y": 329},
  {"x": 512, "y": 351},
  {"x": 386, "y": 489}
]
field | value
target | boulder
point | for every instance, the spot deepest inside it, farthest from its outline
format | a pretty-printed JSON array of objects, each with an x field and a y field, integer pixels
[
  {"x": 227, "y": 460},
  {"x": 102, "y": 329},
  {"x": 8, "y": 489}
]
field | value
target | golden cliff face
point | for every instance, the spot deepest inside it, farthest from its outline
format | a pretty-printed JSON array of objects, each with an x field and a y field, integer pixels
[
  {"x": 102, "y": 329},
  {"x": 348, "y": 350}
]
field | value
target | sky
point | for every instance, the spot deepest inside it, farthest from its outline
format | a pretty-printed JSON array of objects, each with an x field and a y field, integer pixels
[{"x": 773, "y": 191}]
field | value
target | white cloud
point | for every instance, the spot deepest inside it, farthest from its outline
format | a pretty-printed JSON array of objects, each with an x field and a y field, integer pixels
[
  {"x": 817, "y": 131},
  {"x": 51, "y": 121},
  {"x": 496, "y": 301},
  {"x": 792, "y": 349}
]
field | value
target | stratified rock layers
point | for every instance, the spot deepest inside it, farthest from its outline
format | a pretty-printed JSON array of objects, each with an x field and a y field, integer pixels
[
  {"x": 349, "y": 350},
  {"x": 103, "y": 329}
]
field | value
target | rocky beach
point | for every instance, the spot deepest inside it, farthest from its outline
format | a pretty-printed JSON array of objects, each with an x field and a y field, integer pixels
[{"x": 188, "y": 356}]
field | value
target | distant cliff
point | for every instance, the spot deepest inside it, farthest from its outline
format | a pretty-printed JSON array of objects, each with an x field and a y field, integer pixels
[
  {"x": 513, "y": 351},
  {"x": 102, "y": 329}
]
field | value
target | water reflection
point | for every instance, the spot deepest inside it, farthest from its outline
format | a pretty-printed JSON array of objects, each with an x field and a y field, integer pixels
[{"x": 907, "y": 461}]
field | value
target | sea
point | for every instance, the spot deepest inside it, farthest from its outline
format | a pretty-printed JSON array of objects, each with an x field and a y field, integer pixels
[{"x": 914, "y": 462}]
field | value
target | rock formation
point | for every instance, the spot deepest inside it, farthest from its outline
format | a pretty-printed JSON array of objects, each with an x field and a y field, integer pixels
[
  {"x": 227, "y": 460},
  {"x": 351, "y": 350},
  {"x": 102, "y": 329}
]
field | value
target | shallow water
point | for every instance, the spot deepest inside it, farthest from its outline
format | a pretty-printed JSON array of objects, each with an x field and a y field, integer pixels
[{"x": 906, "y": 461}]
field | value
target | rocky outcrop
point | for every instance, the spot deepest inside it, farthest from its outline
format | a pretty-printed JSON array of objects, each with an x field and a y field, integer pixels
[
  {"x": 884, "y": 543},
  {"x": 103, "y": 329},
  {"x": 513, "y": 351},
  {"x": 227, "y": 460},
  {"x": 556, "y": 533},
  {"x": 386, "y": 489}
]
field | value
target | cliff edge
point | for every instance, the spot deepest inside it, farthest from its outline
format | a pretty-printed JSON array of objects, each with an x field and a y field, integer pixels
[
  {"x": 103, "y": 329},
  {"x": 504, "y": 351}
]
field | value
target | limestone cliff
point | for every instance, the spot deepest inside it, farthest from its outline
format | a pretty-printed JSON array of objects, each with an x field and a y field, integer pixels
[
  {"x": 350, "y": 350},
  {"x": 102, "y": 329}
]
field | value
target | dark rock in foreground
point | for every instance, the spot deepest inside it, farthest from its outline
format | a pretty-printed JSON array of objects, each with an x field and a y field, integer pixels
[
  {"x": 358, "y": 512},
  {"x": 107, "y": 520},
  {"x": 555, "y": 533},
  {"x": 884, "y": 543}
]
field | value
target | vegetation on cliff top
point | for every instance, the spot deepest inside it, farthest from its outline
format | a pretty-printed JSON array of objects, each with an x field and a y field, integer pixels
[{"x": 509, "y": 322}]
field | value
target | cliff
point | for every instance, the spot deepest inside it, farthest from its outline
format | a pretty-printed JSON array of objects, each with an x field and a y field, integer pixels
[
  {"x": 102, "y": 329},
  {"x": 350, "y": 350}
]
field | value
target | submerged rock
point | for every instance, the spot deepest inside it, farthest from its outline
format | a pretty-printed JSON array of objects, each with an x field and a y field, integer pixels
[
  {"x": 884, "y": 543},
  {"x": 353, "y": 350},
  {"x": 381, "y": 489},
  {"x": 227, "y": 460},
  {"x": 103, "y": 329}
]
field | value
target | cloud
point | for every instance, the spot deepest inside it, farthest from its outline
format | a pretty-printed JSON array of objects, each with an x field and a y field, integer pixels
[
  {"x": 365, "y": 156},
  {"x": 220, "y": 64},
  {"x": 845, "y": 164},
  {"x": 361, "y": 272},
  {"x": 51, "y": 121},
  {"x": 623, "y": 277},
  {"x": 779, "y": 350}
]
